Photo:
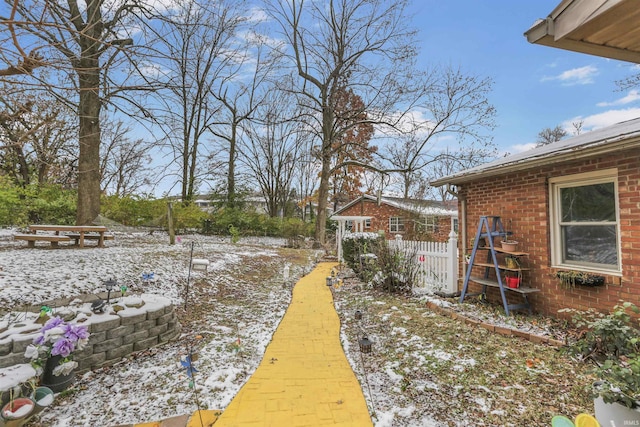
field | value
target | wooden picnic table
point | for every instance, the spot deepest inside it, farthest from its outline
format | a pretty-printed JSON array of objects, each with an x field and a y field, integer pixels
[{"x": 81, "y": 230}]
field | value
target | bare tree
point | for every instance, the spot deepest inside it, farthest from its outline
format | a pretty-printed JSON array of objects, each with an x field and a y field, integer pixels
[
  {"x": 37, "y": 134},
  {"x": 454, "y": 106},
  {"x": 83, "y": 40},
  {"x": 450, "y": 162},
  {"x": 124, "y": 162},
  {"x": 197, "y": 49},
  {"x": 549, "y": 136},
  {"x": 273, "y": 148},
  {"x": 240, "y": 94},
  {"x": 358, "y": 45}
]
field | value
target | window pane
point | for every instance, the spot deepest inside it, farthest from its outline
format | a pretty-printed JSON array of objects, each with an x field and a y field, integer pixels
[
  {"x": 590, "y": 244},
  {"x": 588, "y": 203}
]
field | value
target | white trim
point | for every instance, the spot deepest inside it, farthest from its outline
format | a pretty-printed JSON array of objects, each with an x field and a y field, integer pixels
[
  {"x": 579, "y": 180},
  {"x": 400, "y": 222}
]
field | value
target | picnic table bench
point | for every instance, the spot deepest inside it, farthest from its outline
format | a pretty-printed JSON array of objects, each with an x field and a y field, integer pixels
[
  {"x": 76, "y": 237},
  {"x": 79, "y": 233},
  {"x": 33, "y": 238}
]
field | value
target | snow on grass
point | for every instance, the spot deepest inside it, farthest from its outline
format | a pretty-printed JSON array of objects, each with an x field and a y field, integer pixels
[{"x": 231, "y": 314}]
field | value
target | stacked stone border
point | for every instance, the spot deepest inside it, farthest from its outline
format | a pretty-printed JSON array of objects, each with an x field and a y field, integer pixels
[
  {"x": 508, "y": 332},
  {"x": 110, "y": 340}
]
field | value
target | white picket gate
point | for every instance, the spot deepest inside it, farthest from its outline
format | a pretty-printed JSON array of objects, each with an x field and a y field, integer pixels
[{"x": 437, "y": 263}]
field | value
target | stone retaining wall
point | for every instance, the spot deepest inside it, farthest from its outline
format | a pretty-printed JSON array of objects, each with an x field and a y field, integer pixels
[{"x": 113, "y": 336}]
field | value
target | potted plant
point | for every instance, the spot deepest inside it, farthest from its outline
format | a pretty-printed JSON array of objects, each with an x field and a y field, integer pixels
[
  {"x": 512, "y": 262},
  {"x": 509, "y": 245},
  {"x": 52, "y": 351},
  {"x": 612, "y": 342},
  {"x": 16, "y": 412},
  {"x": 570, "y": 279}
]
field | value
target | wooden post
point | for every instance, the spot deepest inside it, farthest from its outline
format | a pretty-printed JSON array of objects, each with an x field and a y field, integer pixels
[{"x": 172, "y": 233}]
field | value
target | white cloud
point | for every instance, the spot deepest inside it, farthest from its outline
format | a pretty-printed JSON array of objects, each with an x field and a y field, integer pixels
[
  {"x": 575, "y": 76},
  {"x": 600, "y": 120},
  {"x": 632, "y": 96}
]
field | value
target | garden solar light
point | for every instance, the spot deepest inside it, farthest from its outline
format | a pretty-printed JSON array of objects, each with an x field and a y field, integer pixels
[
  {"x": 365, "y": 345},
  {"x": 109, "y": 284}
]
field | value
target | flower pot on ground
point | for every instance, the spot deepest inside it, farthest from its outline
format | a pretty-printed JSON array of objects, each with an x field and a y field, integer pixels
[
  {"x": 52, "y": 352},
  {"x": 55, "y": 378},
  {"x": 16, "y": 412},
  {"x": 509, "y": 245},
  {"x": 43, "y": 397},
  {"x": 614, "y": 413}
]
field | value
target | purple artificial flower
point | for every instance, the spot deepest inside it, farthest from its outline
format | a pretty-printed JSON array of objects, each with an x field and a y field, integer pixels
[
  {"x": 39, "y": 340},
  {"x": 52, "y": 323},
  {"x": 62, "y": 347},
  {"x": 75, "y": 332}
]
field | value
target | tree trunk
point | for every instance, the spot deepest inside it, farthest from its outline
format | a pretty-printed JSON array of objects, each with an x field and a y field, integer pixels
[
  {"x": 89, "y": 136},
  {"x": 323, "y": 196},
  {"x": 231, "y": 177}
]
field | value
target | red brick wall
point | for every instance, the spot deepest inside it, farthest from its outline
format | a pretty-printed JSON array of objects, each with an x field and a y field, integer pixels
[
  {"x": 521, "y": 200},
  {"x": 380, "y": 220}
]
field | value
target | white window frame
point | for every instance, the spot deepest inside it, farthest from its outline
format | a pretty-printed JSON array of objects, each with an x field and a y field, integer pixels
[
  {"x": 578, "y": 180},
  {"x": 431, "y": 223},
  {"x": 396, "y": 224},
  {"x": 367, "y": 223}
]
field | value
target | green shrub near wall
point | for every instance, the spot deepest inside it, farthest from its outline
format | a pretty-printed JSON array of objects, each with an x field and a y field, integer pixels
[{"x": 356, "y": 244}]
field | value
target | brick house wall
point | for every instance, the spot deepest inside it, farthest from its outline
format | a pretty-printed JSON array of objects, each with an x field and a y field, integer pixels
[
  {"x": 380, "y": 220},
  {"x": 522, "y": 201}
]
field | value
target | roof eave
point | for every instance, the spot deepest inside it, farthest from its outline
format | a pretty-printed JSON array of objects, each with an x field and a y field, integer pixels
[
  {"x": 573, "y": 153},
  {"x": 543, "y": 32}
]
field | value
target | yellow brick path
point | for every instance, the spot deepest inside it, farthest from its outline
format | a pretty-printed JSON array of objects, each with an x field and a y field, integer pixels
[{"x": 304, "y": 378}]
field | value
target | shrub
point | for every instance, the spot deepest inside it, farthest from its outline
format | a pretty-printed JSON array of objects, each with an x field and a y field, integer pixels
[
  {"x": 354, "y": 245},
  {"x": 12, "y": 206},
  {"x": 135, "y": 211},
  {"x": 397, "y": 269},
  {"x": 612, "y": 342}
]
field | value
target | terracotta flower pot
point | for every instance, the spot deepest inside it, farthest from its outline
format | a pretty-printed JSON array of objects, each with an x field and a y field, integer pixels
[{"x": 509, "y": 245}]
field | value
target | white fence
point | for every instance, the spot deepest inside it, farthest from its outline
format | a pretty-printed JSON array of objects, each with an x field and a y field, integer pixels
[{"x": 437, "y": 263}]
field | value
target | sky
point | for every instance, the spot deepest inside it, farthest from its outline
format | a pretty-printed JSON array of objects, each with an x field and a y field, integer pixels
[{"x": 535, "y": 87}]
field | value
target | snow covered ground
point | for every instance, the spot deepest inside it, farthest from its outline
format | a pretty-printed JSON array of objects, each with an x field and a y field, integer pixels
[
  {"x": 426, "y": 370},
  {"x": 231, "y": 314}
]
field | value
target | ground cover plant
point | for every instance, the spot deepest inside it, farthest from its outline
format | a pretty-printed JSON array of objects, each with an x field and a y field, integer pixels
[{"x": 425, "y": 369}]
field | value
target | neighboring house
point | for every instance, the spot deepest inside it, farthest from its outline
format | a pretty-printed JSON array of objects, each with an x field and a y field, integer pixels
[
  {"x": 574, "y": 205},
  {"x": 411, "y": 218}
]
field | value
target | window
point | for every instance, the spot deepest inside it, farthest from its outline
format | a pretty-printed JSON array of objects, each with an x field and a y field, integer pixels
[
  {"x": 396, "y": 224},
  {"x": 584, "y": 221},
  {"x": 348, "y": 225},
  {"x": 367, "y": 223}
]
